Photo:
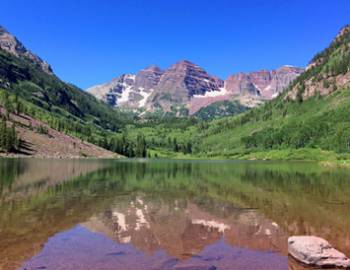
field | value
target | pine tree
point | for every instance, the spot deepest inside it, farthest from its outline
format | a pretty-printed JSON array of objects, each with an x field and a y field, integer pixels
[
  {"x": 169, "y": 142},
  {"x": 300, "y": 92},
  {"x": 3, "y": 131},
  {"x": 7, "y": 105},
  {"x": 141, "y": 147},
  {"x": 16, "y": 141},
  {"x": 175, "y": 145},
  {"x": 18, "y": 105},
  {"x": 8, "y": 137},
  {"x": 188, "y": 148}
]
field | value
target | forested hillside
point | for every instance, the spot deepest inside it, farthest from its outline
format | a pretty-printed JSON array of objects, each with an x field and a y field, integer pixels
[
  {"x": 305, "y": 116},
  {"x": 19, "y": 76},
  {"x": 28, "y": 87}
]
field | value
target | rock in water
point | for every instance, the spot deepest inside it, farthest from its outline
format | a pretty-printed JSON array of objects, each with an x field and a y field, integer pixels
[{"x": 316, "y": 251}]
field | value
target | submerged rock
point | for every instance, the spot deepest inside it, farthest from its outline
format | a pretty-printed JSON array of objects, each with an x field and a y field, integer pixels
[{"x": 316, "y": 251}]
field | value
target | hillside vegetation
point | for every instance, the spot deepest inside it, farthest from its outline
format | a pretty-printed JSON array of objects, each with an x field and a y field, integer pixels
[
  {"x": 220, "y": 109},
  {"x": 62, "y": 105},
  {"x": 304, "y": 122},
  {"x": 311, "y": 118},
  {"x": 28, "y": 90}
]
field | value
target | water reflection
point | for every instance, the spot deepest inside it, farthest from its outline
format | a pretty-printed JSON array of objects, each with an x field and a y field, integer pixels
[
  {"x": 183, "y": 228},
  {"x": 21, "y": 178},
  {"x": 165, "y": 215}
]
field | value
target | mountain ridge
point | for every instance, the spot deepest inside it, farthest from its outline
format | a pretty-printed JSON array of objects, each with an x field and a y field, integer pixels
[
  {"x": 327, "y": 71},
  {"x": 65, "y": 114},
  {"x": 11, "y": 44},
  {"x": 301, "y": 115},
  {"x": 185, "y": 84}
]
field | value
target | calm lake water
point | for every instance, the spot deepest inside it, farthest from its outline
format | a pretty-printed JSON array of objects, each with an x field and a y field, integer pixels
[{"x": 183, "y": 215}]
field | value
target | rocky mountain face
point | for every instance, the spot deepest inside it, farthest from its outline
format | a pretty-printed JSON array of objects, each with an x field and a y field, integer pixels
[
  {"x": 9, "y": 43},
  {"x": 180, "y": 83},
  {"x": 187, "y": 85},
  {"x": 328, "y": 71},
  {"x": 129, "y": 90},
  {"x": 264, "y": 83}
]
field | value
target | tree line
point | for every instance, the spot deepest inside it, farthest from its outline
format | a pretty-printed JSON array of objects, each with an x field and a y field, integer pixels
[{"x": 125, "y": 146}]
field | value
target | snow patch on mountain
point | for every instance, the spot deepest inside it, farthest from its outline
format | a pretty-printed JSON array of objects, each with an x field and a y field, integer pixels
[
  {"x": 221, "y": 92},
  {"x": 145, "y": 96},
  {"x": 127, "y": 89},
  {"x": 186, "y": 84}
]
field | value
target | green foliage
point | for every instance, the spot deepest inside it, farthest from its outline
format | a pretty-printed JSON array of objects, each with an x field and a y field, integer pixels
[
  {"x": 293, "y": 135},
  {"x": 42, "y": 129},
  {"x": 300, "y": 92},
  {"x": 284, "y": 124},
  {"x": 333, "y": 61},
  {"x": 305, "y": 154},
  {"x": 219, "y": 109},
  {"x": 141, "y": 146},
  {"x": 326, "y": 84},
  {"x": 322, "y": 123},
  {"x": 48, "y": 92},
  {"x": 166, "y": 135},
  {"x": 128, "y": 147},
  {"x": 27, "y": 89},
  {"x": 9, "y": 141}
]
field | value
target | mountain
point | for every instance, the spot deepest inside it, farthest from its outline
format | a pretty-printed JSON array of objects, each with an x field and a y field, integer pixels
[
  {"x": 28, "y": 80},
  {"x": 180, "y": 83},
  {"x": 305, "y": 115},
  {"x": 10, "y": 44},
  {"x": 328, "y": 70},
  {"x": 264, "y": 83},
  {"x": 129, "y": 90},
  {"x": 309, "y": 120},
  {"x": 251, "y": 89},
  {"x": 187, "y": 85},
  {"x": 25, "y": 74},
  {"x": 153, "y": 88}
]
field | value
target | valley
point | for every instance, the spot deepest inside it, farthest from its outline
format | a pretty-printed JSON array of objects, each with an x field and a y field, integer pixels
[
  {"x": 174, "y": 135},
  {"x": 183, "y": 112}
]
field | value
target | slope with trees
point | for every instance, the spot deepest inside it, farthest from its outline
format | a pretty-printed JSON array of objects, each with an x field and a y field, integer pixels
[{"x": 304, "y": 119}]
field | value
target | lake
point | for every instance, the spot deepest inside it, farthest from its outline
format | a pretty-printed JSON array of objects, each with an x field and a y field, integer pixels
[{"x": 161, "y": 214}]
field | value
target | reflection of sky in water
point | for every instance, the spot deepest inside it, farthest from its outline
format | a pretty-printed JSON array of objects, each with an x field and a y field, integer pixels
[{"x": 79, "y": 248}]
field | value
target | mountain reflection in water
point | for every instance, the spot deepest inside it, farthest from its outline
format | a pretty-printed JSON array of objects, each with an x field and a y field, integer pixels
[{"x": 104, "y": 214}]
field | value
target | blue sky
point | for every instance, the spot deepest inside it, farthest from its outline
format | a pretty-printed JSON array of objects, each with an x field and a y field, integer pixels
[{"x": 89, "y": 42}]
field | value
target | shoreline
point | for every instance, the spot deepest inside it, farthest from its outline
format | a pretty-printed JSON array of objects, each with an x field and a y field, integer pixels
[
  {"x": 331, "y": 163},
  {"x": 18, "y": 156}
]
